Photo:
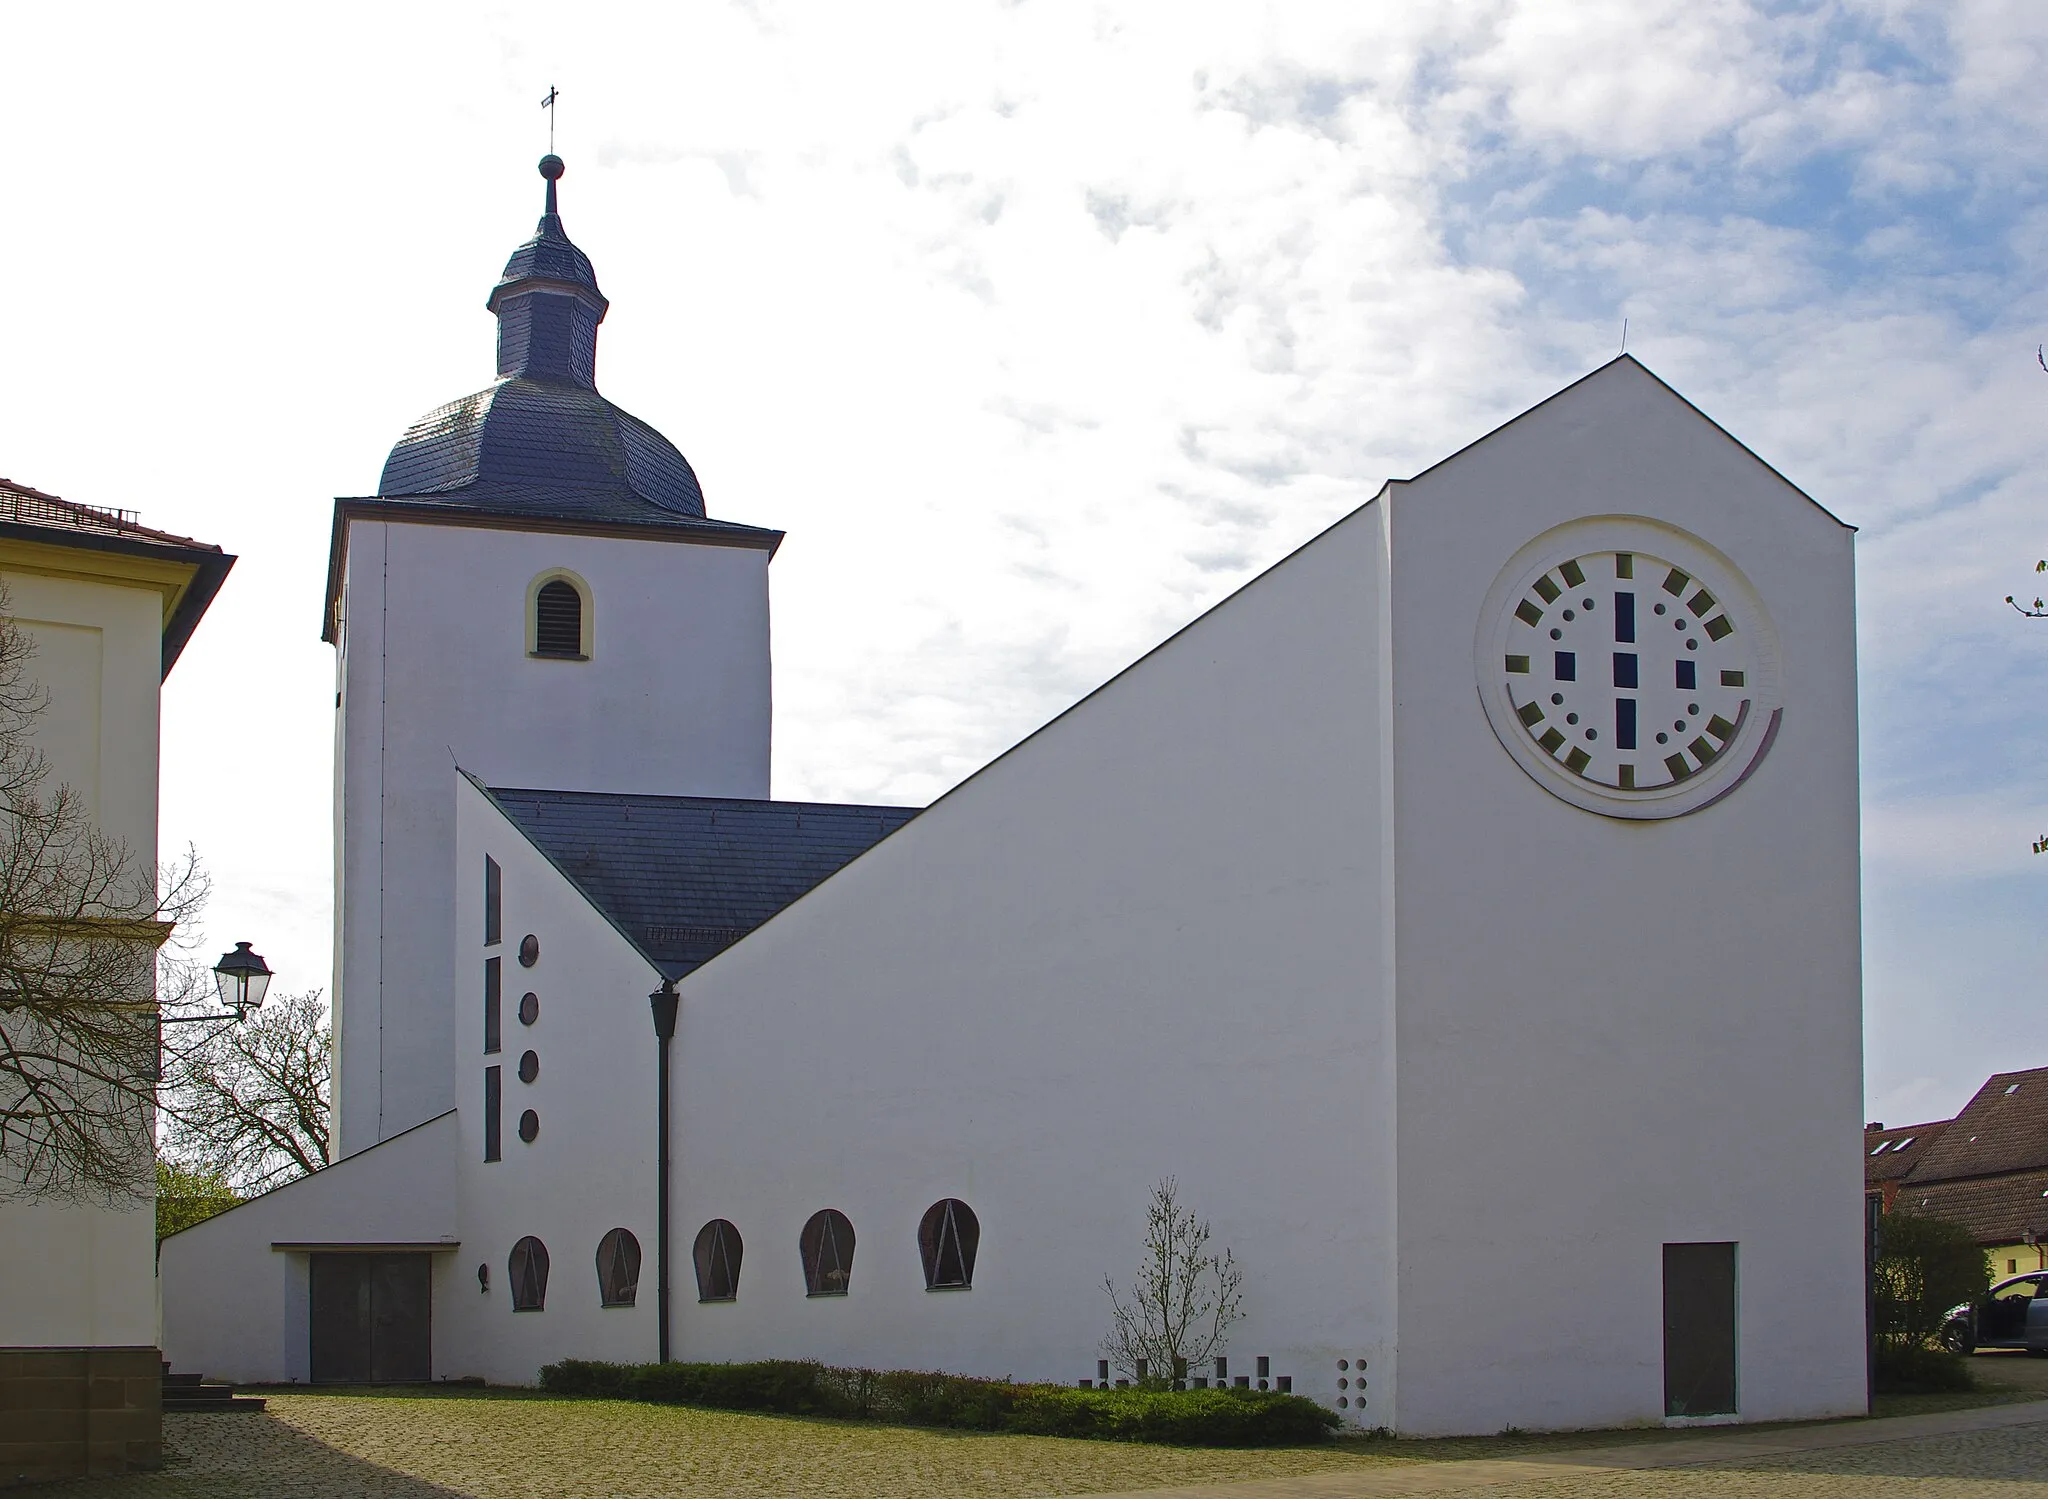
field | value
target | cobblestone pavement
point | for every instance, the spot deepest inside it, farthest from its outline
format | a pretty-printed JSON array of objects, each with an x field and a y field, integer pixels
[
  {"x": 507, "y": 1446},
  {"x": 504, "y": 1445}
]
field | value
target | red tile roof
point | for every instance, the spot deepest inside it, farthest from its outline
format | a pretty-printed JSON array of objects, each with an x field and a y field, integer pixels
[
  {"x": 1996, "y": 1210},
  {"x": 31, "y": 507},
  {"x": 1888, "y": 1154},
  {"x": 2002, "y": 1130}
]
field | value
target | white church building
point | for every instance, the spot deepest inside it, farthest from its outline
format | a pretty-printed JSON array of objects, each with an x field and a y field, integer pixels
[{"x": 1465, "y": 912}]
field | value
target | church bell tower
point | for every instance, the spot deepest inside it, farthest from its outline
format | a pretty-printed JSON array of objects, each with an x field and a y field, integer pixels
[{"x": 536, "y": 595}]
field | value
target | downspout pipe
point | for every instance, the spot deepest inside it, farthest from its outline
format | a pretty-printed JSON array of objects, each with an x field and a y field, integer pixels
[{"x": 663, "y": 1003}]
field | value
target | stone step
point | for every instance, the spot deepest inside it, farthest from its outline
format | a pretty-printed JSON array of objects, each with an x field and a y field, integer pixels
[{"x": 192, "y": 1392}]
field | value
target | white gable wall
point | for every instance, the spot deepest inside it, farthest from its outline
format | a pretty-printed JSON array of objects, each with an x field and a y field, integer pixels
[
  {"x": 675, "y": 700},
  {"x": 592, "y": 1166},
  {"x": 1146, "y": 942},
  {"x": 1619, "y": 1034},
  {"x": 236, "y": 1308}
]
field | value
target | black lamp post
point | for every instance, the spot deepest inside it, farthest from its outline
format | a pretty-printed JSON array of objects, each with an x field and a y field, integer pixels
[{"x": 241, "y": 977}]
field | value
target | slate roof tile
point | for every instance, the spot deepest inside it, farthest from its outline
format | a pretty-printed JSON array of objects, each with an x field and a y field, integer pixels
[{"x": 684, "y": 877}]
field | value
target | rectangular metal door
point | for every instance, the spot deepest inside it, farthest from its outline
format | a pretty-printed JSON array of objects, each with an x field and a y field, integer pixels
[
  {"x": 372, "y": 1318},
  {"x": 340, "y": 1297},
  {"x": 401, "y": 1309},
  {"x": 1699, "y": 1329}
]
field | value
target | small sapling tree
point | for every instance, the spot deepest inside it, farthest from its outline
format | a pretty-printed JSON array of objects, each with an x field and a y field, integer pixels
[{"x": 1179, "y": 1311}]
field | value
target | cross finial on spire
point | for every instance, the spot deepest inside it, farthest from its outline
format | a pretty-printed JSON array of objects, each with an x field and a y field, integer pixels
[{"x": 549, "y": 105}]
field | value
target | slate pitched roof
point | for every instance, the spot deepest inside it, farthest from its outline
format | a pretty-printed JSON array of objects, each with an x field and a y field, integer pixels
[
  {"x": 684, "y": 877},
  {"x": 2002, "y": 1130},
  {"x": 1889, "y": 1154}
]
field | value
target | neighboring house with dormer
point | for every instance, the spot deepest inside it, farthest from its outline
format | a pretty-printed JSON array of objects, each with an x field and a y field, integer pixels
[
  {"x": 1889, "y": 1155},
  {"x": 1986, "y": 1169}
]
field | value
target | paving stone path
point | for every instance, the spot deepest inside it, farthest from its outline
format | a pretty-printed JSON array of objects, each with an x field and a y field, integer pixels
[
  {"x": 504, "y": 1446},
  {"x": 1999, "y": 1452}
]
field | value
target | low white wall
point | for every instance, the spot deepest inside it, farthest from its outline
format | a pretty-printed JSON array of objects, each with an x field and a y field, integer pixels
[{"x": 237, "y": 1308}]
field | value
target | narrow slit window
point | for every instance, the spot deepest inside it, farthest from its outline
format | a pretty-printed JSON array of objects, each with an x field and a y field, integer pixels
[
  {"x": 493, "y": 1004},
  {"x": 528, "y": 1272},
  {"x": 717, "y": 1254},
  {"x": 493, "y": 1115},
  {"x": 494, "y": 902},
  {"x": 558, "y": 619},
  {"x": 618, "y": 1268},
  {"x": 828, "y": 1253},
  {"x": 948, "y": 1238}
]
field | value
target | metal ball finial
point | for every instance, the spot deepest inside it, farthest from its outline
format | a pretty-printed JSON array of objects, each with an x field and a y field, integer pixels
[{"x": 551, "y": 167}]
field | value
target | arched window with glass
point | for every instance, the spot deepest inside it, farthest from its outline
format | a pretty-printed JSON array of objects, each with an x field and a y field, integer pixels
[
  {"x": 717, "y": 1253},
  {"x": 527, "y": 1270},
  {"x": 828, "y": 1253},
  {"x": 618, "y": 1268},
  {"x": 947, "y": 1238}
]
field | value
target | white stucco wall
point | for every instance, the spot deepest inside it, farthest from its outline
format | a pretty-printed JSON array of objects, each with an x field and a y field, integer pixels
[
  {"x": 236, "y": 1307},
  {"x": 592, "y": 1166},
  {"x": 1619, "y": 1034},
  {"x": 82, "y": 1274},
  {"x": 1145, "y": 942},
  {"x": 434, "y": 671}
]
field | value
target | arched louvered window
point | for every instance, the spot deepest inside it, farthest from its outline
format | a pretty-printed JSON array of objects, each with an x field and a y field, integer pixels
[
  {"x": 718, "y": 1254},
  {"x": 618, "y": 1268},
  {"x": 828, "y": 1253},
  {"x": 528, "y": 1269},
  {"x": 947, "y": 1238},
  {"x": 558, "y": 619}
]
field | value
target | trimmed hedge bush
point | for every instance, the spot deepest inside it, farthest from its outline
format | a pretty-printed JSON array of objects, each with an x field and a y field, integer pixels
[
  {"x": 1911, "y": 1369},
  {"x": 1184, "y": 1418}
]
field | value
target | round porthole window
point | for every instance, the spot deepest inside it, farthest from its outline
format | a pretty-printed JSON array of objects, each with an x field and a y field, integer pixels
[
  {"x": 1629, "y": 668},
  {"x": 529, "y": 950},
  {"x": 529, "y": 1008},
  {"x": 529, "y": 1067},
  {"x": 529, "y": 1126}
]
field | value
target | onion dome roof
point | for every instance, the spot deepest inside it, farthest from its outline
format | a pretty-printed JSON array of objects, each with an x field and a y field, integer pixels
[{"x": 540, "y": 441}]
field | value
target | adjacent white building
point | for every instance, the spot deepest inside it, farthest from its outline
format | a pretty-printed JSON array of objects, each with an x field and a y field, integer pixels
[
  {"x": 107, "y": 605},
  {"x": 1465, "y": 912}
]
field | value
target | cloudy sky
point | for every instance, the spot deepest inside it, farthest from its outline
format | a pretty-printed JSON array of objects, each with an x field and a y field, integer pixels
[{"x": 1042, "y": 326}]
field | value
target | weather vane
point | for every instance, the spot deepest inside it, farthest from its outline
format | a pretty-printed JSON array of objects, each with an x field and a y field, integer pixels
[{"x": 549, "y": 105}]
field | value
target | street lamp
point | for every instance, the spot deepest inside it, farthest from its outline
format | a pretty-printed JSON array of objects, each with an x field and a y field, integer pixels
[{"x": 241, "y": 977}]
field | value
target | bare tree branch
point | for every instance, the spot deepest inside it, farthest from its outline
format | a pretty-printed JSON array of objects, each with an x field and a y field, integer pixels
[
  {"x": 83, "y": 919},
  {"x": 1179, "y": 1311},
  {"x": 249, "y": 1102}
]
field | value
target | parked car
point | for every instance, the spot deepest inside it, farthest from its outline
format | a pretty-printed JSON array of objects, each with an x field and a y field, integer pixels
[{"x": 2014, "y": 1314}]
